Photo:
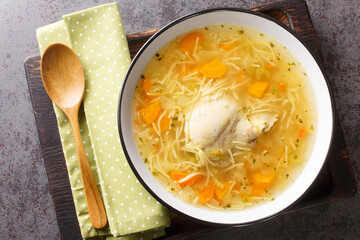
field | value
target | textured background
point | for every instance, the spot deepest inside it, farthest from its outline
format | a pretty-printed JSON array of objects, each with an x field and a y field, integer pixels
[{"x": 25, "y": 204}]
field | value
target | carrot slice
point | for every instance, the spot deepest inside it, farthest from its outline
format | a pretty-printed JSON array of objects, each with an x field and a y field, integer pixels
[
  {"x": 257, "y": 191},
  {"x": 164, "y": 122},
  {"x": 213, "y": 69},
  {"x": 149, "y": 113},
  {"x": 189, "y": 42},
  {"x": 262, "y": 180},
  {"x": 237, "y": 186},
  {"x": 147, "y": 84},
  {"x": 282, "y": 85},
  {"x": 206, "y": 194},
  {"x": 228, "y": 47},
  {"x": 221, "y": 192},
  {"x": 179, "y": 175},
  {"x": 302, "y": 132},
  {"x": 257, "y": 89},
  {"x": 269, "y": 66},
  {"x": 241, "y": 75}
]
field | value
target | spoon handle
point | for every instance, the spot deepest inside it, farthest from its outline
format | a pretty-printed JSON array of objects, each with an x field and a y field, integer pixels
[{"x": 95, "y": 205}]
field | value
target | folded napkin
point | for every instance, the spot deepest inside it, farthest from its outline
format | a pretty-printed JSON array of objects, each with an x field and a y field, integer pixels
[{"x": 97, "y": 36}]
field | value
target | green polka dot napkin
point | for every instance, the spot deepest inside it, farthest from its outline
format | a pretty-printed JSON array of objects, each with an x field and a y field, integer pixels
[{"x": 97, "y": 37}]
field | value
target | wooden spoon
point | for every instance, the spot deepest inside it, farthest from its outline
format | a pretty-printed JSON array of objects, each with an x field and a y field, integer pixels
[{"x": 64, "y": 82}]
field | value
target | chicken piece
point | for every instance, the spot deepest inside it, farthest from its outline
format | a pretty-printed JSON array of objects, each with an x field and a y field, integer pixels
[
  {"x": 251, "y": 128},
  {"x": 210, "y": 118},
  {"x": 214, "y": 125}
]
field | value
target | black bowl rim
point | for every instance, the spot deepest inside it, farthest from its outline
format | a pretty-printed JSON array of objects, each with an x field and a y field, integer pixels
[{"x": 181, "y": 19}]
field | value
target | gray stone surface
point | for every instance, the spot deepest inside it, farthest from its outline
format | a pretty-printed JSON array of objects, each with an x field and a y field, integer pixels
[{"x": 26, "y": 210}]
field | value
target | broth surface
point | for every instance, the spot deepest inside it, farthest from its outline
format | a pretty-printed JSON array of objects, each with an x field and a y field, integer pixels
[{"x": 222, "y": 116}]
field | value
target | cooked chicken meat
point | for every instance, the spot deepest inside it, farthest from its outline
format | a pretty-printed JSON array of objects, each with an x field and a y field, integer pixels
[{"x": 216, "y": 125}]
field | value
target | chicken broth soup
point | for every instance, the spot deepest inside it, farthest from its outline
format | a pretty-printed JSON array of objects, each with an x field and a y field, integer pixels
[{"x": 222, "y": 116}]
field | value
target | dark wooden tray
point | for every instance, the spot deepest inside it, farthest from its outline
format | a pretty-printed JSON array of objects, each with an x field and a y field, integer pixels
[{"x": 335, "y": 182}]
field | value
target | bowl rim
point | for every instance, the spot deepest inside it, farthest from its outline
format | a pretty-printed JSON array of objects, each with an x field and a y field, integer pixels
[{"x": 192, "y": 15}]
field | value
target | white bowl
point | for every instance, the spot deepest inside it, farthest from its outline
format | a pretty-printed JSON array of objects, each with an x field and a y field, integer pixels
[{"x": 323, "y": 103}]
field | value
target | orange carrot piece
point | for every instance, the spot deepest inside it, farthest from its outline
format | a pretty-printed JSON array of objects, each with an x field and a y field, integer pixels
[
  {"x": 164, "y": 122},
  {"x": 207, "y": 193},
  {"x": 237, "y": 186},
  {"x": 147, "y": 84},
  {"x": 262, "y": 180},
  {"x": 213, "y": 69},
  {"x": 257, "y": 89},
  {"x": 189, "y": 42},
  {"x": 269, "y": 66},
  {"x": 149, "y": 113},
  {"x": 302, "y": 132},
  {"x": 241, "y": 75},
  {"x": 178, "y": 175},
  {"x": 228, "y": 47},
  {"x": 257, "y": 191},
  {"x": 136, "y": 122},
  {"x": 221, "y": 192},
  {"x": 217, "y": 199},
  {"x": 282, "y": 85}
]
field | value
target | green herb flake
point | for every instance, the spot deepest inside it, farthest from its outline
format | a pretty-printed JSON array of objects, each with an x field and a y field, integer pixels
[
  {"x": 271, "y": 44},
  {"x": 146, "y": 160},
  {"x": 157, "y": 54},
  {"x": 261, "y": 34},
  {"x": 173, "y": 125},
  {"x": 312, "y": 127},
  {"x": 293, "y": 63},
  {"x": 174, "y": 118},
  {"x": 240, "y": 31},
  {"x": 142, "y": 76},
  {"x": 287, "y": 176},
  {"x": 295, "y": 157},
  {"x": 221, "y": 25},
  {"x": 206, "y": 28},
  {"x": 254, "y": 160}
]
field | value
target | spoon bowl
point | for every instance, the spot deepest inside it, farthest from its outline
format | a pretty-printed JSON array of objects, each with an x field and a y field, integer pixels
[
  {"x": 64, "y": 82},
  {"x": 64, "y": 91}
]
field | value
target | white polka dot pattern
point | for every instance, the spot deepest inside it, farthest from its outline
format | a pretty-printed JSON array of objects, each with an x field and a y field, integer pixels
[{"x": 97, "y": 37}]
